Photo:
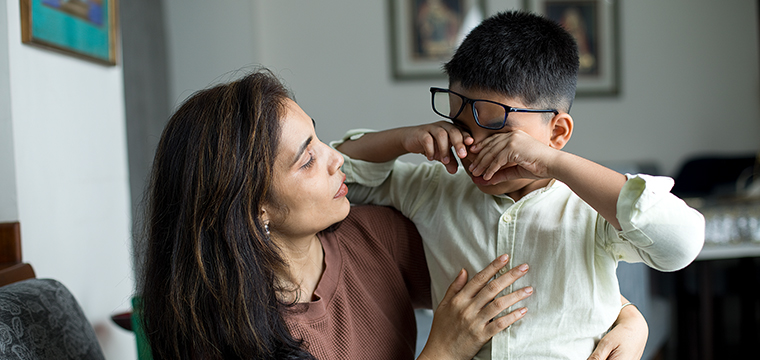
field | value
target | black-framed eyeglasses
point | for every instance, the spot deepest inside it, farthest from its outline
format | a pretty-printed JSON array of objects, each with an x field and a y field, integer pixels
[{"x": 488, "y": 114}]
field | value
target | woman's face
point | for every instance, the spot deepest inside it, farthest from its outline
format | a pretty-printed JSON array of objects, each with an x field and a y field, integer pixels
[{"x": 308, "y": 185}]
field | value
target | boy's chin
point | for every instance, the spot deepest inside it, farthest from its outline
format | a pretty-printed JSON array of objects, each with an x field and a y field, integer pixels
[{"x": 502, "y": 188}]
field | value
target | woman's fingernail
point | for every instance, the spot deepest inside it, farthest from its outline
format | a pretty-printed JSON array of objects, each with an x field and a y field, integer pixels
[
  {"x": 445, "y": 160},
  {"x": 523, "y": 311},
  {"x": 504, "y": 258},
  {"x": 528, "y": 290},
  {"x": 523, "y": 267}
]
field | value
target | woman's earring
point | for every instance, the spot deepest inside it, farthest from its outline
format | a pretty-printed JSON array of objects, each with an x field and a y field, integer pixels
[{"x": 266, "y": 229}]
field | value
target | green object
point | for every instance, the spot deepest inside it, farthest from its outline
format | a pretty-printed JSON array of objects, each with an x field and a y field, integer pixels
[{"x": 143, "y": 347}]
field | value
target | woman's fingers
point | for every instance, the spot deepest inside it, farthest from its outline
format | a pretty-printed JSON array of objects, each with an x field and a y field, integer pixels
[
  {"x": 457, "y": 285},
  {"x": 489, "y": 291},
  {"x": 476, "y": 284},
  {"x": 500, "y": 323},
  {"x": 467, "y": 318},
  {"x": 501, "y": 303}
]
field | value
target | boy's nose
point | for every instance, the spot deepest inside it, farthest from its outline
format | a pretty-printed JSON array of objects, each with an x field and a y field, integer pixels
[{"x": 479, "y": 134}]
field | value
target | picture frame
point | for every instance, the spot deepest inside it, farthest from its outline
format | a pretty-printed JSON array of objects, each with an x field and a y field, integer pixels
[
  {"x": 593, "y": 23},
  {"x": 81, "y": 28},
  {"x": 425, "y": 33}
]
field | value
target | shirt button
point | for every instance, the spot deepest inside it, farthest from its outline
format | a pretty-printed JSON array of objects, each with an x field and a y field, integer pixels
[
  {"x": 503, "y": 270},
  {"x": 506, "y": 218}
]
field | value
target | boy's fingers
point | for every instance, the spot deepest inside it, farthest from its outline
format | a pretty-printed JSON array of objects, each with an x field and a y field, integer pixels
[
  {"x": 497, "y": 163},
  {"x": 479, "y": 166},
  {"x": 452, "y": 165},
  {"x": 442, "y": 146},
  {"x": 501, "y": 175},
  {"x": 457, "y": 139},
  {"x": 428, "y": 146}
]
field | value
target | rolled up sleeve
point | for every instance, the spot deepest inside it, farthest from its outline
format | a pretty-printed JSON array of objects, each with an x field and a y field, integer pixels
[{"x": 658, "y": 228}]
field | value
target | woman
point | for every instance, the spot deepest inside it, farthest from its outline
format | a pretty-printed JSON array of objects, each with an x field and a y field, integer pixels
[{"x": 245, "y": 260}]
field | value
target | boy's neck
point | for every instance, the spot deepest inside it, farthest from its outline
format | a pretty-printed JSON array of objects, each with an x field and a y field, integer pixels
[{"x": 533, "y": 186}]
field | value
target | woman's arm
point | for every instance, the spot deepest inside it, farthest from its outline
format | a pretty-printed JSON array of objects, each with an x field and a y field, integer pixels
[
  {"x": 626, "y": 339},
  {"x": 467, "y": 318}
]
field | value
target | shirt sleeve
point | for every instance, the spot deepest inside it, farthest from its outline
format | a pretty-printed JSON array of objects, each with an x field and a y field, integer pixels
[
  {"x": 399, "y": 184},
  {"x": 658, "y": 228}
]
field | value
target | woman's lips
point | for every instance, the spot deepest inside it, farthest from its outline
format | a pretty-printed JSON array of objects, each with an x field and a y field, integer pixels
[{"x": 343, "y": 190}]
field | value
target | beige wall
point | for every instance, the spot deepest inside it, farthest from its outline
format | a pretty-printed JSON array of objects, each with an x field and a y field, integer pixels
[{"x": 64, "y": 175}]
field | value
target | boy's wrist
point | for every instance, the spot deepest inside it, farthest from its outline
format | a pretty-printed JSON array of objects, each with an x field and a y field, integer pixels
[{"x": 558, "y": 163}]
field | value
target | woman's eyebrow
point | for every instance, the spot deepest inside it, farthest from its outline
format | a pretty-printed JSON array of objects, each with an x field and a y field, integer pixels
[{"x": 302, "y": 149}]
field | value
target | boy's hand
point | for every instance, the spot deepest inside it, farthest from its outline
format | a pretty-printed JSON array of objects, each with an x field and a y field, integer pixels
[
  {"x": 512, "y": 155},
  {"x": 435, "y": 141}
]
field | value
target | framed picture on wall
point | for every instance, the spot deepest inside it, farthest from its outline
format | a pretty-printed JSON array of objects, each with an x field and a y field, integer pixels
[
  {"x": 593, "y": 23},
  {"x": 82, "y": 28},
  {"x": 425, "y": 33}
]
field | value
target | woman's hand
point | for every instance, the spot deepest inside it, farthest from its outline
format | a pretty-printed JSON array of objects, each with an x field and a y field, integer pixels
[
  {"x": 467, "y": 318},
  {"x": 626, "y": 339}
]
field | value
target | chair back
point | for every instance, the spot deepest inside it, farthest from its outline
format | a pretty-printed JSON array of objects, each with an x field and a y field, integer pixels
[{"x": 41, "y": 319}]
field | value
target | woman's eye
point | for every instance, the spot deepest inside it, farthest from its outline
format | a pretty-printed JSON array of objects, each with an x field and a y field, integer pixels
[{"x": 308, "y": 163}]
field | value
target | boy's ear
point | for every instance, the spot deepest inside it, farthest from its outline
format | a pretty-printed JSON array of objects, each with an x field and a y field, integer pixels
[{"x": 562, "y": 129}]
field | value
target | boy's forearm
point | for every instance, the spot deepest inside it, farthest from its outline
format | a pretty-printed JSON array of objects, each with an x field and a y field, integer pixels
[
  {"x": 597, "y": 185},
  {"x": 379, "y": 146}
]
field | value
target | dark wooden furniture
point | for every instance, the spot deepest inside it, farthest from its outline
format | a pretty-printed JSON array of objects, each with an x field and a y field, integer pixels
[{"x": 12, "y": 267}]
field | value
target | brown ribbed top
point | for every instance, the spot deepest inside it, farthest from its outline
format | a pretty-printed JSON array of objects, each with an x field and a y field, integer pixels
[{"x": 375, "y": 275}]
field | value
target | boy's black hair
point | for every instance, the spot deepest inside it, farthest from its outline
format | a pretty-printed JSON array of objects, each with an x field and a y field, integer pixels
[{"x": 520, "y": 55}]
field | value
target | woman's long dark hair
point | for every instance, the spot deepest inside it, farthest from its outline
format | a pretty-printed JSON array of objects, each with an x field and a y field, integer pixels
[{"x": 209, "y": 286}]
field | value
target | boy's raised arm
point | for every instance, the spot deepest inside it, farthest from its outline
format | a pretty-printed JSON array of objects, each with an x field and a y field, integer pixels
[
  {"x": 432, "y": 140},
  {"x": 597, "y": 185},
  {"x": 377, "y": 147}
]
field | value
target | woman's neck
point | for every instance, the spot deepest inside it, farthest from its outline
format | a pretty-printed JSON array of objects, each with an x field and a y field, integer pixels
[{"x": 305, "y": 260}]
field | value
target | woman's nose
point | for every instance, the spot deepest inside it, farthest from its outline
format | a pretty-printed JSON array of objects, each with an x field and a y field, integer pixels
[{"x": 336, "y": 161}]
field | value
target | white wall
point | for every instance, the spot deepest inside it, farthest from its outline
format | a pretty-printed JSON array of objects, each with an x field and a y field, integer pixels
[
  {"x": 689, "y": 71},
  {"x": 208, "y": 41},
  {"x": 8, "y": 204},
  {"x": 689, "y": 76},
  {"x": 70, "y": 164}
]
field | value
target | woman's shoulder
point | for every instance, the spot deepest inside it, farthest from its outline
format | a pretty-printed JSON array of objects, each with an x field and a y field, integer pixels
[
  {"x": 362, "y": 213},
  {"x": 377, "y": 224},
  {"x": 376, "y": 219}
]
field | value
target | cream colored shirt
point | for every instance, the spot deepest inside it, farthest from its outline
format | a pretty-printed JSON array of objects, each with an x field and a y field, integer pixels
[{"x": 572, "y": 251}]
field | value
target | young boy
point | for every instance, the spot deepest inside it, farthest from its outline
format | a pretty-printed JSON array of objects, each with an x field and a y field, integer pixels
[{"x": 511, "y": 85}]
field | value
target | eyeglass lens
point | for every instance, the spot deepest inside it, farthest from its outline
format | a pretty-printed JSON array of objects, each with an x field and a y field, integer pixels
[{"x": 487, "y": 114}]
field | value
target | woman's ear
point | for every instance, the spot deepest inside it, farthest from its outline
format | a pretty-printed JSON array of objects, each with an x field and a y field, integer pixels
[
  {"x": 264, "y": 215},
  {"x": 562, "y": 129}
]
